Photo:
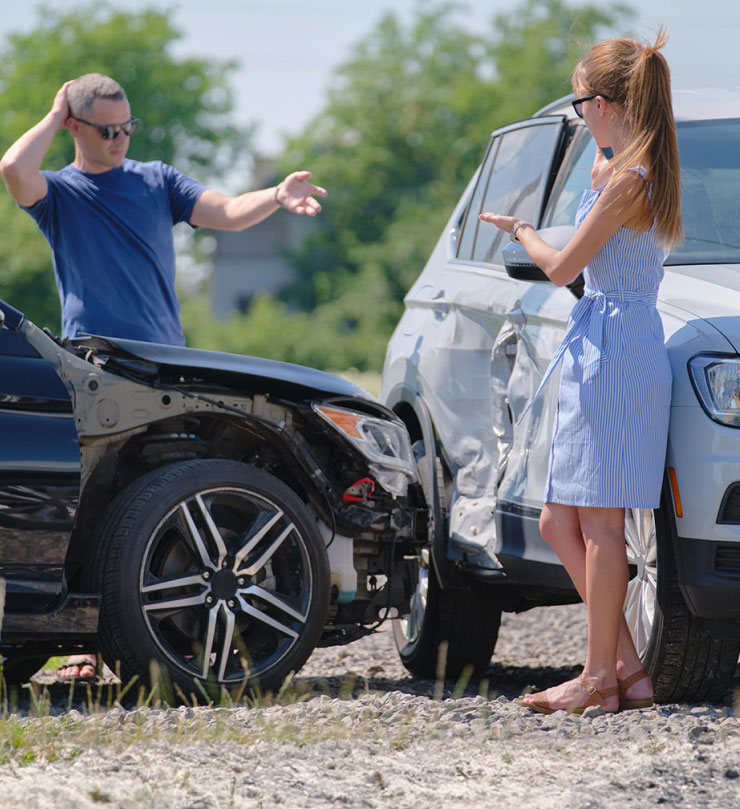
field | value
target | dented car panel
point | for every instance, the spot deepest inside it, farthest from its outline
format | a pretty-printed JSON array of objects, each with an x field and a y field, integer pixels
[{"x": 480, "y": 327}]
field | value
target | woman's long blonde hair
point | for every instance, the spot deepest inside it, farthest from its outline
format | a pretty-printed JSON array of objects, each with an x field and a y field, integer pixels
[{"x": 636, "y": 76}]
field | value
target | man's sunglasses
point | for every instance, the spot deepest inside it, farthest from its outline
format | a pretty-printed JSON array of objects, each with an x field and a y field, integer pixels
[
  {"x": 110, "y": 131},
  {"x": 578, "y": 103}
]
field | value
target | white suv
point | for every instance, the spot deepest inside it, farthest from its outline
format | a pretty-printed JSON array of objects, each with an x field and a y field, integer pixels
[{"x": 480, "y": 326}]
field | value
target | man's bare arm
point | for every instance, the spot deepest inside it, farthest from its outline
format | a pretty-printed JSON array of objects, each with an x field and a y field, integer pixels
[
  {"x": 221, "y": 212},
  {"x": 21, "y": 164}
]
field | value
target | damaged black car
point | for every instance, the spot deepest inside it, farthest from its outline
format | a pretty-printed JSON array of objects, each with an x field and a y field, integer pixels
[{"x": 219, "y": 515}]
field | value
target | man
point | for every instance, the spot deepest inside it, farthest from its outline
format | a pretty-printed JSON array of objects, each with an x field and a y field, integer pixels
[{"x": 109, "y": 222}]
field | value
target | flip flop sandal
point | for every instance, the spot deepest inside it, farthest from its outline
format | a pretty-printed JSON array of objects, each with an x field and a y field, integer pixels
[{"x": 83, "y": 661}]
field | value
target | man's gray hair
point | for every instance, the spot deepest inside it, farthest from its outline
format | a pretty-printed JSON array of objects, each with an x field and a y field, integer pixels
[{"x": 83, "y": 91}]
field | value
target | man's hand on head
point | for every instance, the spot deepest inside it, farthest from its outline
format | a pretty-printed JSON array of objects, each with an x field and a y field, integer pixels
[
  {"x": 21, "y": 164},
  {"x": 296, "y": 194},
  {"x": 60, "y": 110}
]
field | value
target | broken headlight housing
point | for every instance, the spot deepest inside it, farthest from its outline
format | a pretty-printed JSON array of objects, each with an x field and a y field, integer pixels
[{"x": 384, "y": 443}]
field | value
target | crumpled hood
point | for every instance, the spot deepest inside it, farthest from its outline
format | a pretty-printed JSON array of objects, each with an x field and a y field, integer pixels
[
  {"x": 276, "y": 374},
  {"x": 708, "y": 291}
]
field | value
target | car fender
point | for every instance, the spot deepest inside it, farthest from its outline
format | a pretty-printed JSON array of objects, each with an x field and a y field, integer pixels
[{"x": 399, "y": 399}]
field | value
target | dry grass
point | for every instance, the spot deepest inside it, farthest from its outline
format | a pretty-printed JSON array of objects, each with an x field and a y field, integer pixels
[{"x": 115, "y": 716}]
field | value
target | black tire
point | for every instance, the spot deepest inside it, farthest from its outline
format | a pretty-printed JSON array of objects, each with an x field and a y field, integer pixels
[
  {"x": 17, "y": 670},
  {"x": 685, "y": 662},
  {"x": 454, "y": 628},
  {"x": 446, "y": 631},
  {"x": 248, "y": 576}
]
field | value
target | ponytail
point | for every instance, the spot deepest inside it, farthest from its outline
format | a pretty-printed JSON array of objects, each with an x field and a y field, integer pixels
[{"x": 637, "y": 77}]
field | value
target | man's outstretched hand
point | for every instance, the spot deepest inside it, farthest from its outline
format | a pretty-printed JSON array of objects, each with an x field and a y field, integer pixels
[{"x": 296, "y": 194}]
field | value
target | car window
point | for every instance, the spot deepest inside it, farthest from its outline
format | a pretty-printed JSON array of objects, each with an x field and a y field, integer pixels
[
  {"x": 470, "y": 226},
  {"x": 710, "y": 192},
  {"x": 569, "y": 190},
  {"x": 520, "y": 172}
]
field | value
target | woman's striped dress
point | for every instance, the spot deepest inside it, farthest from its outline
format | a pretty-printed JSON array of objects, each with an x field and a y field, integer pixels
[{"x": 611, "y": 425}]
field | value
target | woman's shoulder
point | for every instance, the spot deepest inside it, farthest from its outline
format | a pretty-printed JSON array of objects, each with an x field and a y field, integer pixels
[{"x": 629, "y": 189}]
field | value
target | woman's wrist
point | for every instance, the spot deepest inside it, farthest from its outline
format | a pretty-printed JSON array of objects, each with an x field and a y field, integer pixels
[{"x": 518, "y": 225}]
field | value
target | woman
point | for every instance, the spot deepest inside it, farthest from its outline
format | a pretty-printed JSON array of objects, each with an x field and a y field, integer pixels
[{"x": 611, "y": 426}]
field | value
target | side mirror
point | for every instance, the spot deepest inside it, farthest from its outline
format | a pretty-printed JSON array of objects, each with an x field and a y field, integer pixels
[
  {"x": 521, "y": 267},
  {"x": 2, "y": 318}
]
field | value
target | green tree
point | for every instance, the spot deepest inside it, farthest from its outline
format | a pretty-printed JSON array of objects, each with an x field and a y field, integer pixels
[
  {"x": 406, "y": 123},
  {"x": 184, "y": 105}
]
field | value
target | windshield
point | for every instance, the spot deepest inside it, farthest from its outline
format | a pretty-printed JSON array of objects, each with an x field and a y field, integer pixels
[{"x": 710, "y": 190}]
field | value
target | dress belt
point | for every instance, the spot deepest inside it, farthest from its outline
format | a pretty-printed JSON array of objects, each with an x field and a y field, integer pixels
[{"x": 588, "y": 318}]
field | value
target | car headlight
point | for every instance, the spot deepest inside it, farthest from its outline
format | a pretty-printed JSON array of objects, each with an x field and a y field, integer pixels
[
  {"x": 385, "y": 444},
  {"x": 717, "y": 384}
]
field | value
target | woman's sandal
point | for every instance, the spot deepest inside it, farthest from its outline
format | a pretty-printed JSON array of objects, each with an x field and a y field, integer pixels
[
  {"x": 625, "y": 685},
  {"x": 595, "y": 697}
]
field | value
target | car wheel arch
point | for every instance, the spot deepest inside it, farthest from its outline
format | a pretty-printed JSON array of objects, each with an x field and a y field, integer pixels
[
  {"x": 412, "y": 410},
  {"x": 106, "y": 481}
]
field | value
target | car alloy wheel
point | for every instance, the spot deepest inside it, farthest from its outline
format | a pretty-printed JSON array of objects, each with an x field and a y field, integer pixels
[
  {"x": 642, "y": 589},
  {"x": 684, "y": 660},
  {"x": 445, "y": 632},
  {"x": 215, "y": 571},
  {"x": 226, "y": 580},
  {"x": 407, "y": 628}
]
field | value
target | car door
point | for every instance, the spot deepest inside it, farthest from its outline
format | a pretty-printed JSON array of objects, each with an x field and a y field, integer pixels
[
  {"x": 39, "y": 476},
  {"x": 540, "y": 327},
  {"x": 465, "y": 357}
]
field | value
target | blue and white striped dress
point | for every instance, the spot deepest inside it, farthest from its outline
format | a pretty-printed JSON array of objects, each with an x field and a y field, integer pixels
[{"x": 611, "y": 425}]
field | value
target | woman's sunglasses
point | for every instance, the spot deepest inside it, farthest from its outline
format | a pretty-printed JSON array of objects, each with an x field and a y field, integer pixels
[
  {"x": 578, "y": 103},
  {"x": 110, "y": 131}
]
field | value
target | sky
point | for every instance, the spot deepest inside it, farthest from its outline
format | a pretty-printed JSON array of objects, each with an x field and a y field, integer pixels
[{"x": 287, "y": 49}]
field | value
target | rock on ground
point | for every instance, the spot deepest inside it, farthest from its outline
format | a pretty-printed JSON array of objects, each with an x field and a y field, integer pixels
[{"x": 391, "y": 744}]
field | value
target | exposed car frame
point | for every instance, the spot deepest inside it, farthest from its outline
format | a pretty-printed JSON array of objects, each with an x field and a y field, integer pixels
[{"x": 139, "y": 480}]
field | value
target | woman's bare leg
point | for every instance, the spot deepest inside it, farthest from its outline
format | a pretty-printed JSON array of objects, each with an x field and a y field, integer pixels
[
  {"x": 606, "y": 587},
  {"x": 561, "y": 527}
]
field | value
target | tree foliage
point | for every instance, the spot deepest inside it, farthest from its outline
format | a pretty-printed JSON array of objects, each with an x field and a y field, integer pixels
[
  {"x": 184, "y": 105},
  {"x": 406, "y": 122}
]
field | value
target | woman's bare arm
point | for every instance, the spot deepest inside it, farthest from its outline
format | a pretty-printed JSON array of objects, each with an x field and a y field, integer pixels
[{"x": 620, "y": 203}]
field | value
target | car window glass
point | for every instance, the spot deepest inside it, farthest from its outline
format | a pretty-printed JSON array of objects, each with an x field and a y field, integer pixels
[
  {"x": 470, "y": 226},
  {"x": 710, "y": 192},
  {"x": 577, "y": 180},
  {"x": 520, "y": 173}
]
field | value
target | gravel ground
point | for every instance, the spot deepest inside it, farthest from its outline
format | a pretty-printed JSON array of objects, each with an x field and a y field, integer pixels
[{"x": 377, "y": 738}]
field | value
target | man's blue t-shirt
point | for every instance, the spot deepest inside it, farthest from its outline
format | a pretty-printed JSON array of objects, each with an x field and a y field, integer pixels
[{"x": 114, "y": 256}]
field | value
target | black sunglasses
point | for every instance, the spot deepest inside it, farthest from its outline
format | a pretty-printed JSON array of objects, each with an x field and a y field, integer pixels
[
  {"x": 578, "y": 103},
  {"x": 110, "y": 131}
]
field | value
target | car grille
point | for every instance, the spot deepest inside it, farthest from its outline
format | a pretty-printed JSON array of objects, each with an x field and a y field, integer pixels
[
  {"x": 727, "y": 560},
  {"x": 729, "y": 511}
]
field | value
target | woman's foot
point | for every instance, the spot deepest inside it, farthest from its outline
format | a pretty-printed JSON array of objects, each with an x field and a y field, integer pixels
[
  {"x": 79, "y": 667},
  {"x": 635, "y": 691},
  {"x": 575, "y": 696}
]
